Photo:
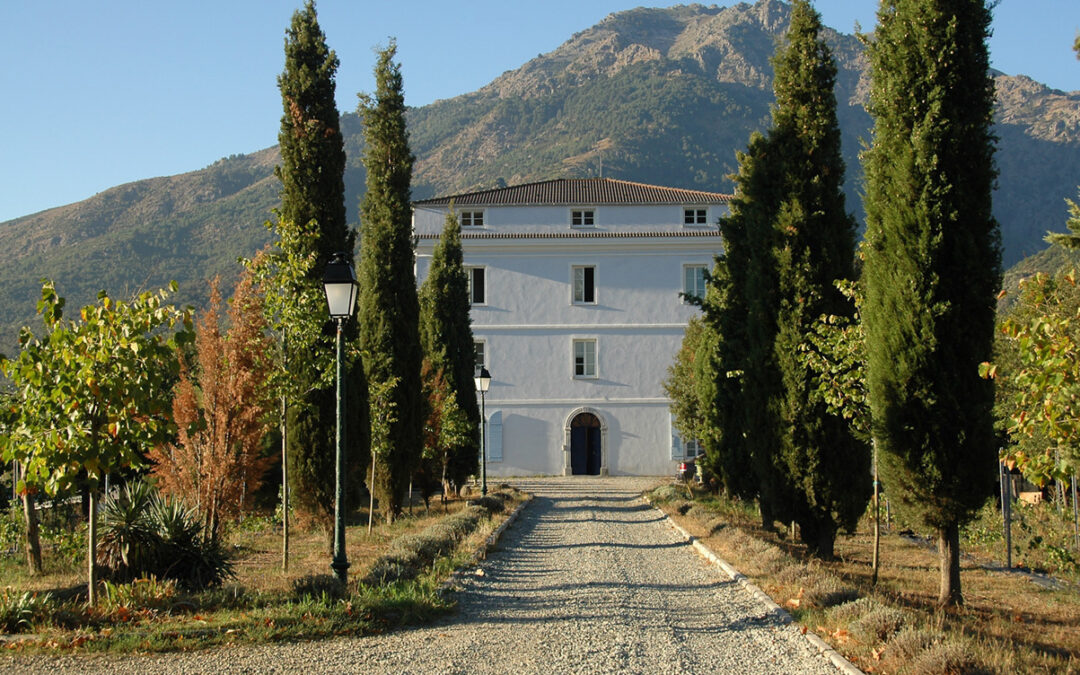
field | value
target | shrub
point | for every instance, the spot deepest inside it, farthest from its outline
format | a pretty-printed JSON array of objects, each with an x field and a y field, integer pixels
[
  {"x": 951, "y": 657},
  {"x": 148, "y": 593},
  {"x": 144, "y": 535},
  {"x": 851, "y": 611},
  {"x": 664, "y": 493},
  {"x": 905, "y": 645},
  {"x": 319, "y": 586},
  {"x": 12, "y": 525},
  {"x": 19, "y": 612},
  {"x": 491, "y": 503},
  {"x": 387, "y": 570},
  {"x": 878, "y": 625},
  {"x": 412, "y": 552}
]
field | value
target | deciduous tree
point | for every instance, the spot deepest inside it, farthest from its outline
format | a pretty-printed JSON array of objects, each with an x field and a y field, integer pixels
[
  {"x": 92, "y": 393},
  {"x": 220, "y": 407}
]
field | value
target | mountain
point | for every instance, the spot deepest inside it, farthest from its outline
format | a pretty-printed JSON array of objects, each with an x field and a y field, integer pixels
[{"x": 662, "y": 96}]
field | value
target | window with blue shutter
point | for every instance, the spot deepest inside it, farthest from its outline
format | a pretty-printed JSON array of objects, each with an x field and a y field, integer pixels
[{"x": 495, "y": 437}]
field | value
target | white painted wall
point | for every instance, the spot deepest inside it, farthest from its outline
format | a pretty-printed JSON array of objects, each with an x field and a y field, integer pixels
[{"x": 529, "y": 323}]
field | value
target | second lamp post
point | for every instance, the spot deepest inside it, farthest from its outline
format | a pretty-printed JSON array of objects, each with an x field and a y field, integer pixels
[
  {"x": 483, "y": 381},
  {"x": 339, "y": 282}
]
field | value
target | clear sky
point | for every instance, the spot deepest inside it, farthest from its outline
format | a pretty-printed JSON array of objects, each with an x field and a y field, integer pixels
[{"x": 95, "y": 94}]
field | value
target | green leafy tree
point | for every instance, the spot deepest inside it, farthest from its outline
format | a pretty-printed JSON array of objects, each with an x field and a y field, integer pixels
[
  {"x": 818, "y": 456},
  {"x": 94, "y": 393},
  {"x": 681, "y": 384},
  {"x": 447, "y": 341},
  {"x": 933, "y": 264},
  {"x": 388, "y": 310},
  {"x": 446, "y": 428},
  {"x": 311, "y": 227}
]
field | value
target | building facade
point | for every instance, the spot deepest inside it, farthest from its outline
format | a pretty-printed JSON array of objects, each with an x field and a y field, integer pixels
[{"x": 578, "y": 308}]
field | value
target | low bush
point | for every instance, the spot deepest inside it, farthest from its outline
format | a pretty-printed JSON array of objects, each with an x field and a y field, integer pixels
[
  {"x": 947, "y": 657},
  {"x": 491, "y": 503},
  {"x": 319, "y": 586},
  {"x": 878, "y": 625},
  {"x": 20, "y": 611},
  {"x": 144, "y": 535},
  {"x": 148, "y": 593},
  {"x": 852, "y": 610}
]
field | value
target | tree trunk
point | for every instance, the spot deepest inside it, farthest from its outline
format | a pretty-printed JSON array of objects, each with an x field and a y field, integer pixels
[
  {"x": 91, "y": 553},
  {"x": 33, "y": 537},
  {"x": 949, "y": 561}
]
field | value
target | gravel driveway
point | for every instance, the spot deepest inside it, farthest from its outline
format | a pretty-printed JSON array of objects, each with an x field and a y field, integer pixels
[{"x": 589, "y": 579}]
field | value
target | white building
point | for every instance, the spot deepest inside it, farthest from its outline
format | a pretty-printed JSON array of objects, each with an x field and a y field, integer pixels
[{"x": 577, "y": 314}]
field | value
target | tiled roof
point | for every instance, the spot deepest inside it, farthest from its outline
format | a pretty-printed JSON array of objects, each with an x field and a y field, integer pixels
[{"x": 579, "y": 191}]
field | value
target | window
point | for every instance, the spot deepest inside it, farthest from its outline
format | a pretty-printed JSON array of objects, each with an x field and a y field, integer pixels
[
  {"x": 476, "y": 285},
  {"x": 693, "y": 281},
  {"x": 692, "y": 449},
  {"x": 480, "y": 348},
  {"x": 584, "y": 284},
  {"x": 582, "y": 218},
  {"x": 472, "y": 218},
  {"x": 584, "y": 358},
  {"x": 683, "y": 449},
  {"x": 695, "y": 216}
]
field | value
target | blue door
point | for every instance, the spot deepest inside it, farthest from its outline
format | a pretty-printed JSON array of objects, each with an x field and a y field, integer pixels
[{"x": 585, "y": 445}]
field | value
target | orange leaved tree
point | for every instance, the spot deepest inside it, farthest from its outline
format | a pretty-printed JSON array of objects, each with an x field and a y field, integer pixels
[{"x": 219, "y": 407}]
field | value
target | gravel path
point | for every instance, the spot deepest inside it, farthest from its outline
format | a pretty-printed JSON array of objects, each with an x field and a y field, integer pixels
[{"x": 588, "y": 580}]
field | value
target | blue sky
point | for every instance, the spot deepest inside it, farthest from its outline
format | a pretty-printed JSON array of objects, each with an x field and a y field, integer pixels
[{"x": 96, "y": 94}]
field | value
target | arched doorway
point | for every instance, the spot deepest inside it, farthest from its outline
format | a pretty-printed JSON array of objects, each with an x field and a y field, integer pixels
[{"x": 585, "y": 445}]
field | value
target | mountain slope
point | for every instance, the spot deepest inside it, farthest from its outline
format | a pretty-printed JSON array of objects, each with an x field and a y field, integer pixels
[{"x": 653, "y": 95}]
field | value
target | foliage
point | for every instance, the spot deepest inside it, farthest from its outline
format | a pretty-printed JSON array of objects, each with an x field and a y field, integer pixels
[
  {"x": 19, "y": 611},
  {"x": 446, "y": 428},
  {"x": 814, "y": 237},
  {"x": 932, "y": 264},
  {"x": 1037, "y": 367},
  {"x": 311, "y": 227},
  {"x": 220, "y": 410},
  {"x": 447, "y": 342},
  {"x": 139, "y": 594},
  {"x": 410, "y": 554},
  {"x": 681, "y": 384},
  {"x": 388, "y": 312},
  {"x": 146, "y": 535}
]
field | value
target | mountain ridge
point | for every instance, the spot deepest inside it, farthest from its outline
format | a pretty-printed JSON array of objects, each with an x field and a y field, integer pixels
[{"x": 662, "y": 96}]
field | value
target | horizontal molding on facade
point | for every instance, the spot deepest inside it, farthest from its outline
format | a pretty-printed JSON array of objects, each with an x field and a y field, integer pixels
[
  {"x": 585, "y": 327},
  {"x": 553, "y": 402}
]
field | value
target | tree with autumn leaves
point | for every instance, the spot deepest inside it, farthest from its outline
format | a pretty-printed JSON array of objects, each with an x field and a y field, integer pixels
[{"x": 220, "y": 410}]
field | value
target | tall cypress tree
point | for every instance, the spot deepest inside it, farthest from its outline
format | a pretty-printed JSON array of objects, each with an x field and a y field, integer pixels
[
  {"x": 389, "y": 311},
  {"x": 313, "y": 213},
  {"x": 827, "y": 470},
  {"x": 446, "y": 337},
  {"x": 933, "y": 264}
]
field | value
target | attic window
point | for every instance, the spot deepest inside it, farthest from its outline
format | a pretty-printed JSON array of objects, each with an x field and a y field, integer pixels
[
  {"x": 582, "y": 218},
  {"x": 472, "y": 218},
  {"x": 695, "y": 216}
]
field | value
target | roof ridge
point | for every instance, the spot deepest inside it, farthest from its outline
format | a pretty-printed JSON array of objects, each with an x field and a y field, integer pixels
[{"x": 583, "y": 191}]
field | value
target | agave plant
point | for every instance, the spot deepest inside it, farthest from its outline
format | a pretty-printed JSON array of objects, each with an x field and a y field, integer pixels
[{"x": 130, "y": 544}]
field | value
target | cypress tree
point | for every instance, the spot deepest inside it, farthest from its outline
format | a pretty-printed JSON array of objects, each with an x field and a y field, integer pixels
[
  {"x": 933, "y": 264},
  {"x": 388, "y": 310},
  {"x": 313, "y": 211},
  {"x": 826, "y": 469},
  {"x": 748, "y": 318},
  {"x": 447, "y": 340}
]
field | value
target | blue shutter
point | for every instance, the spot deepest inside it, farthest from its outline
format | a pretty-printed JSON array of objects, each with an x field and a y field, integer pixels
[{"x": 495, "y": 437}]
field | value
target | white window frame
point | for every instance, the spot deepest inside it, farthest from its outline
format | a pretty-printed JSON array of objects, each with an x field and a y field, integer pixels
[
  {"x": 469, "y": 218},
  {"x": 586, "y": 217},
  {"x": 469, "y": 269},
  {"x": 482, "y": 347},
  {"x": 686, "y": 291},
  {"x": 585, "y": 343},
  {"x": 699, "y": 216},
  {"x": 574, "y": 270}
]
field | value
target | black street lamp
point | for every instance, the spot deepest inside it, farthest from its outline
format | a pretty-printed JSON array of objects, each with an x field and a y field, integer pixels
[
  {"x": 483, "y": 381},
  {"x": 339, "y": 282}
]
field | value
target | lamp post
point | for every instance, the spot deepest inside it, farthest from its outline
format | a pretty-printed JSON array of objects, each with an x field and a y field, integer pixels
[
  {"x": 483, "y": 381},
  {"x": 339, "y": 282}
]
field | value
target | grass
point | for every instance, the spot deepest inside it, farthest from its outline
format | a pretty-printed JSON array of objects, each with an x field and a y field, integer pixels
[
  {"x": 262, "y": 604},
  {"x": 1008, "y": 624}
]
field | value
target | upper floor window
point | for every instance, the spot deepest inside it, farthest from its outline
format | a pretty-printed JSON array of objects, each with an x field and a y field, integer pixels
[
  {"x": 584, "y": 358},
  {"x": 693, "y": 281},
  {"x": 471, "y": 218},
  {"x": 582, "y": 217},
  {"x": 477, "y": 283},
  {"x": 584, "y": 284},
  {"x": 480, "y": 349},
  {"x": 695, "y": 216}
]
